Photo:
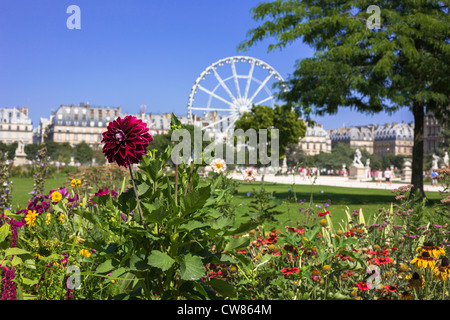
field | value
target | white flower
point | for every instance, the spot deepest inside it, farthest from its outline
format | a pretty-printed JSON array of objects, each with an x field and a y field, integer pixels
[
  {"x": 249, "y": 174},
  {"x": 218, "y": 165}
]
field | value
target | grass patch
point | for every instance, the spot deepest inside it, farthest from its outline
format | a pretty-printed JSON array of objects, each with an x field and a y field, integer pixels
[
  {"x": 23, "y": 186},
  {"x": 341, "y": 199}
]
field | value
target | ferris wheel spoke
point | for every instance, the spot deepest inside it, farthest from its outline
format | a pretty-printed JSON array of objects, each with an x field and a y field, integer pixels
[
  {"x": 236, "y": 81},
  {"x": 265, "y": 100},
  {"x": 261, "y": 87},
  {"x": 223, "y": 84},
  {"x": 215, "y": 96},
  {"x": 249, "y": 80},
  {"x": 234, "y": 118},
  {"x": 210, "y": 109},
  {"x": 215, "y": 123}
]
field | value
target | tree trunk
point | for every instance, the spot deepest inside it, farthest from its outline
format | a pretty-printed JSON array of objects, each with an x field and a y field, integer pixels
[{"x": 417, "y": 156}]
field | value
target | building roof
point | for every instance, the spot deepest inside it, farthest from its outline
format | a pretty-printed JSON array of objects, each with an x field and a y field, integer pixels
[
  {"x": 352, "y": 133},
  {"x": 395, "y": 131}
]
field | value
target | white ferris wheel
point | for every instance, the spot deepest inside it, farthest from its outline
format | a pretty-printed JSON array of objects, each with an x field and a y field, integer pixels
[{"x": 229, "y": 88}]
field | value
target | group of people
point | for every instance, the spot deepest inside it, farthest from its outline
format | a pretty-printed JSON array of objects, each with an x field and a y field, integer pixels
[{"x": 387, "y": 174}]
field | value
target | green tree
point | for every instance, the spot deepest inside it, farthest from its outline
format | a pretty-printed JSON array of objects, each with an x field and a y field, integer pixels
[
  {"x": 31, "y": 150},
  {"x": 295, "y": 155},
  {"x": 64, "y": 152},
  {"x": 283, "y": 118},
  {"x": 160, "y": 143},
  {"x": 444, "y": 143},
  {"x": 99, "y": 157},
  {"x": 9, "y": 150},
  {"x": 52, "y": 148},
  {"x": 83, "y": 153},
  {"x": 403, "y": 63}
]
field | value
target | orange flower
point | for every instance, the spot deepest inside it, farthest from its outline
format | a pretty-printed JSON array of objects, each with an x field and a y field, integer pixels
[
  {"x": 288, "y": 271},
  {"x": 363, "y": 286},
  {"x": 380, "y": 261}
]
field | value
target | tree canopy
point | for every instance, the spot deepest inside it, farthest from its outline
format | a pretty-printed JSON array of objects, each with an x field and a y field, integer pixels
[
  {"x": 283, "y": 118},
  {"x": 403, "y": 63}
]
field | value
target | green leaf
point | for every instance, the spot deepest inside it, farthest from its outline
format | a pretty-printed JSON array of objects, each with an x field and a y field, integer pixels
[
  {"x": 245, "y": 227},
  {"x": 15, "y": 252},
  {"x": 138, "y": 263},
  {"x": 195, "y": 199},
  {"x": 237, "y": 243},
  {"x": 153, "y": 169},
  {"x": 154, "y": 212},
  {"x": 192, "y": 268},
  {"x": 192, "y": 225},
  {"x": 16, "y": 261},
  {"x": 106, "y": 266},
  {"x": 160, "y": 260},
  {"x": 117, "y": 273},
  {"x": 223, "y": 288},
  {"x": 4, "y": 232},
  {"x": 29, "y": 282}
]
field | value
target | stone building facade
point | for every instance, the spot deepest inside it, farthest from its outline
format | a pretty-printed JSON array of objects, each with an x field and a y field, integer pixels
[{"x": 16, "y": 126}]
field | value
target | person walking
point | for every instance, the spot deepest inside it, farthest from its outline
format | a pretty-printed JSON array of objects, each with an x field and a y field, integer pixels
[
  {"x": 434, "y": 178},
  {"x": 379, "y": 174},
  {"x": 388, "y": 176}
]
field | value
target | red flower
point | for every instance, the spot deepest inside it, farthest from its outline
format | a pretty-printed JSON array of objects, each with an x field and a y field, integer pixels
[
  {"x": 126, "y": 141},
  {"x": 382, "y": 260},
  {"x": 288, "y": 271},
  {"x": 101, "y": 192},
  {"x": 362, "y": 286},
  {"x": 299, "y": 230},
  {"x": 321, "y": 214},
  {"x": 390, "y": 288}
]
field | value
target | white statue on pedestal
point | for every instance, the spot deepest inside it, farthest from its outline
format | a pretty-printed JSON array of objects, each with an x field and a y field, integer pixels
[
  {"x": 357, "y": 160},
  {"x": 435, "y": 163}
]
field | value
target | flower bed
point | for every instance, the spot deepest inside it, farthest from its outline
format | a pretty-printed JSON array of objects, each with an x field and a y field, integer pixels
[{"x": 174, "y": 235}]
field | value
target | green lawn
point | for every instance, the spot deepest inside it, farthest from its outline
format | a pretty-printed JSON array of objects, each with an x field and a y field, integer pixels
[
  {"x": 23, "y": 186},
  {"x": 369, "y": 200}
]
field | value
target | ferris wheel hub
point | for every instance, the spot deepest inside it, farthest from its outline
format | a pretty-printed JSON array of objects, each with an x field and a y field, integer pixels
[
  {"x": 243, "y": 109},
  {"x": 233, "y": 101}
]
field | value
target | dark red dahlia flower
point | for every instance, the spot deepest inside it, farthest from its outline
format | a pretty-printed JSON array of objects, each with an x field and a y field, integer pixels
[{"x": 126, "y": 141}]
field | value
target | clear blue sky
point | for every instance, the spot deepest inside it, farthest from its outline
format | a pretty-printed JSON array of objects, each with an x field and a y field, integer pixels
[{"x": 129, "y": 53}]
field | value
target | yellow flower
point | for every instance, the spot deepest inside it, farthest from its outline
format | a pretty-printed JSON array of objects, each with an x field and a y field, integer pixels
[
  {"x": 326, "y": 267},
  {"x": 443, "y": 270},
  {"x": 48, "y": 218},
  {"x": 406, "y": 296},
  {"x": 61, "y": 218},
  {"x": 403, "y": 267},
  {"x": 75, "y": 183},
  {"x": 432, "y": 249},
  {"x": 31, "y": 218},
  {"x": 79, "y": 239},
  {"x": 424, "y": 261},
  {"x": 85, "y": 253},
  {"x": 416, "y": 281},
  {"x": 323, "y": 222},
  {"x": 56, "y": 196}
]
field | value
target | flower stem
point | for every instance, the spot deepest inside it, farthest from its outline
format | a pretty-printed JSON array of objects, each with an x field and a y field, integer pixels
[
  {"x": 189, "y": 180},
  {"x": 176, "y": 184},
  {"x": 137, "y": 198}
]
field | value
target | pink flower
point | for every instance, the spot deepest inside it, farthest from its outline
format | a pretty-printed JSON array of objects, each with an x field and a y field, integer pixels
[
  {"x": 126, "y": 141},
  {"x": 101, "y": 192},
  {"x": 249, "y": 174}
]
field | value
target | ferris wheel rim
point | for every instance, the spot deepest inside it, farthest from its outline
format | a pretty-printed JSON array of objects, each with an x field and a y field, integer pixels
[{"x": 255, "y": 62}]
